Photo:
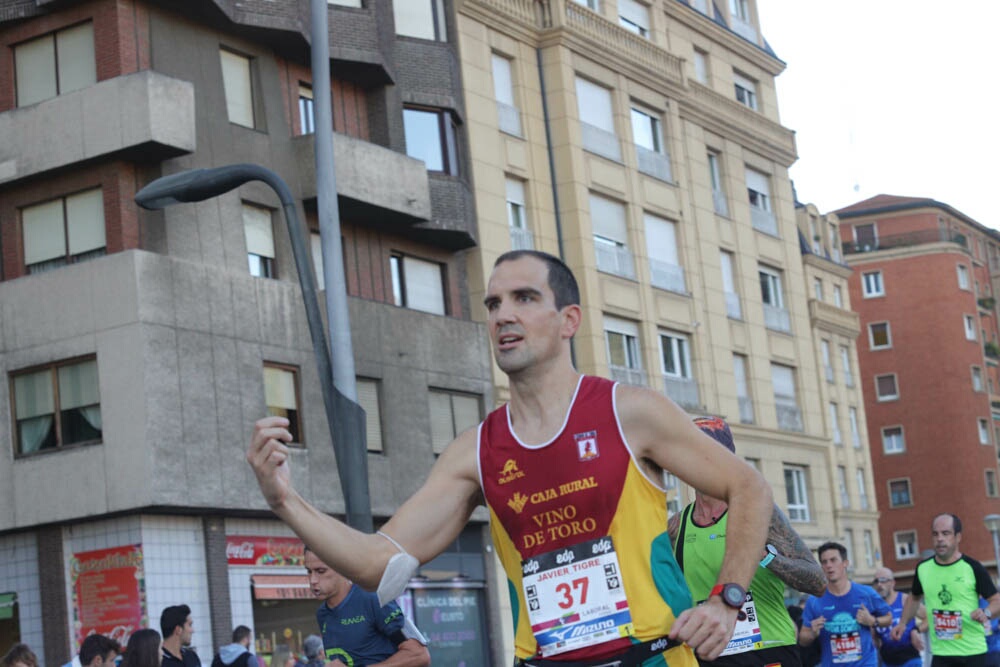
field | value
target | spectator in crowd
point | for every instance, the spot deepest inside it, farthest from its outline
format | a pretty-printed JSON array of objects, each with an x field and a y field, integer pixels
[
  {"x": 178, "y": 629},
  {"x": 144, "y": 649},
  {"x": 19, "y": 655},
  {"x": 236, "y": 654}
]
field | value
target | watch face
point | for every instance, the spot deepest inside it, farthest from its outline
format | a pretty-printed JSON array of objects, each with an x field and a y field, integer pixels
[{"x": 733, "y": 595}]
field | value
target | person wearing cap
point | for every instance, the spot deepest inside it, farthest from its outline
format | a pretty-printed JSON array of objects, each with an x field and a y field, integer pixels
[
  {"x": 312, "y": 649},
  {"x": 765, "y": 633},
  {"x": 905, "y": 651}
]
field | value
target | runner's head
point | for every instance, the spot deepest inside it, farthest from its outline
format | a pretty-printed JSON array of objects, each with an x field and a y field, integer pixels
[
  {"x": 884, "y": 583},
  {"x": 718, "y": 430},
  {"x": 325, "y": 583},
  {"x": 833, "y": 560},
  {"x": 946, "y": 533}
]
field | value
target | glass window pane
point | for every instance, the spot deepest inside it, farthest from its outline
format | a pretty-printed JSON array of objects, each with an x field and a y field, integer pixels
[
  {"x": 467, "y": 412},
  {"x": 423, "y": 137},
  {"x": 239, "y": 90},
  {"x": 78, "y": 385},
  {"x": 414, "y": 18},
  {"x": 424, "y": 287},
  {"x": 279, "y": 388},
  {"x": 33, "y": 395},
  {"x": 75, "y": 54},
  {"x": 44, "y": 234},
  {"x": 616, "y": 349},
  {"x": 35, "y": 69},
  {"x": 315, "y": 244},
  {"x": 85, "y": 221},
  {"x": 259, "y": 231}
]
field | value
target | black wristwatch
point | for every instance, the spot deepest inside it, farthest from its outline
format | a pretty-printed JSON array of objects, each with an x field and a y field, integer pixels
[{"x": 733, "y": 595}]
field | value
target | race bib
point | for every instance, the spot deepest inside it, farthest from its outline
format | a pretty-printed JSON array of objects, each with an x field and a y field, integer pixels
[
  {"x": 746, "y": 634},
  {"x": 947, "y": 624},
  {"x": 575, "y": 597},
  {"x": 845, "y": 646}
]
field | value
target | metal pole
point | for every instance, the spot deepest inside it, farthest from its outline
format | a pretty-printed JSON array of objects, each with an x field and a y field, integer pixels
[
  {"x": 996, "y": 551},
  {"x": 349, "y": 433}
]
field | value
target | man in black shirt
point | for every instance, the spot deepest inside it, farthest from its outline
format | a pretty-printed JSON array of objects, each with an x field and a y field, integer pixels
[{"x": 177, "y": 629}]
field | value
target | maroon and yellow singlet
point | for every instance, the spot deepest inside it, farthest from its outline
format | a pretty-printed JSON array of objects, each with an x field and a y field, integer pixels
[{"x": 581, "y": 533}]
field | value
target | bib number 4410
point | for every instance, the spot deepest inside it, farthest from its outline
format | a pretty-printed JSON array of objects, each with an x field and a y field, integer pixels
[{"x": 568, "y": 590}]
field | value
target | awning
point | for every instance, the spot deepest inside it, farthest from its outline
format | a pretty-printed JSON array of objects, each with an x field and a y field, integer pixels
[{"x": 281, "y": 587}]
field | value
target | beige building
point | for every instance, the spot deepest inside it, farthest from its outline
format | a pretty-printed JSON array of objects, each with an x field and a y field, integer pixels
[{"x": 642, "y": 143}]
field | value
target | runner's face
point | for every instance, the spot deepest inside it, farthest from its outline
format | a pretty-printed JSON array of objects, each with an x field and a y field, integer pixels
[
  {"x": 324, "y": 582},
  {"x": 884, "y": 583},
  {"x": 525, "y": 325},
  {"x": 834, "y": 567},
  {"x": 945, "y": 538}
]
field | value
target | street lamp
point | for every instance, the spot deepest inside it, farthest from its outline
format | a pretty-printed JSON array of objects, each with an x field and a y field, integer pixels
[
  {"x": 345, "y": 418},
  {"x": 992, "y": 522}
]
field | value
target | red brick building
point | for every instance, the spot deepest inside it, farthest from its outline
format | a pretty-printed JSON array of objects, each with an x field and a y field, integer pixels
[{"x": 922, "y": 285}]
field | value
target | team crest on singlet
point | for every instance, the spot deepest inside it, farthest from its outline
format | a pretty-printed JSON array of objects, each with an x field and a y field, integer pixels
[{"x": 586, "y": 445}]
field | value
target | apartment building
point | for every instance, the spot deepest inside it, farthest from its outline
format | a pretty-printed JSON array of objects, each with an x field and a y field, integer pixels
[
  {"x": 137, "y": 348},
  {"x": 923, "y": 285},
  {"x": 640, "y": 142}
]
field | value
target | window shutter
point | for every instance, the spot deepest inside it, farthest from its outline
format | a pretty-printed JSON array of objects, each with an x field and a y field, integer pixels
[
  {"x": 77, "y": 64},
  {"x": 442, "y": 425},
  {"x": 467, "y": 412},
  {"x": 368, "y": 399},
  {"x": 594, "y": 105},
  {"x": 634, "y": 12},
  {"x": 608, "y": 219},
  {"x": 85, "y": 221},
  {"x": 503, "y": 85},
  {"x": 661, "y": 237},
  {"x": 279, "y": 388},
  {"x": 35, "y": 70},
  {"x": 515, "y": 191},
  {"x": 238, "y": 89},
  {"x": 758, "y": 182},
  {"x": 424, "y": 287},
  {"x": 78, "y": 386},
  {"x": 783, "y": 380},
  {"x": 315, "y": 242},
  {"x": 726, "y": 262},
  {"x": 43, "y": 232},
  {"x": 33, "y": 395},
  {"x": 259, "y": 231},
  {"x": 414, "y": 18}
]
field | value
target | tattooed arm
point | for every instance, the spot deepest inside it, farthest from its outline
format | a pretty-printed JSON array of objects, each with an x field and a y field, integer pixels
[
  {"x": 673, "y": 524},
  {"x": 795, "y": 564}
]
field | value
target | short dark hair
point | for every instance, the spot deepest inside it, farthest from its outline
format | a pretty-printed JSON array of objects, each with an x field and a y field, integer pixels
[
  {"x": 172, "y": 617},
  {"x": 562, "y": 282},
  {"x": 97, "y": 645},
  {"x": 143, "y": 649},
  {"x": 19, "y": 653},
  {"x": 826, "y": 546},
  {"x": 240, "y": 632},
  {"x": 956, "y": 523}
]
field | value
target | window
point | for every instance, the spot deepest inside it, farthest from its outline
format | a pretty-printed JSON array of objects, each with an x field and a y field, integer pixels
[
  {"x": 872, "y": 284},
  {"x": 237, "y": 82},
  {"x": 970, "y": 327},
  {"x": 845, "y": 365},
  {"x": 869, "y": 549},
  {"x": 55, "y": 64},
  {"x": 597, "y": 123},
  {"x": 879, "y": 336},
  {"x": 759, "y": 194},
  {"x": 423, "y": 19},
  {"x": 718, "y": 191},
  {"x": 281, "y": 394},
  {"x": 63, "y": 231},
  {"x": 845, "y": 498},
  {"x": 590, "y": 4},
  {"x": 818, "y": 288},
  {"x": 746, "y": 91},
  {"x": 963, "y": 276},
  {"x": 892, "y": 440},
  {"x": 899, "y": 493},
  {"x": 885, "y": 387},
  {"x": 451, "y": 413},
  {"x": 862, "y": 488},
  {"x": 417, "y": 284},
  {"x": 785, "y": 401},
  {"x": 849, "y": 545},
  {"x": 517, "y": 217},
  {"x": 508, "y": 116},
  {"x": 634, "y": 17},
  {"x": 307, "y": 115},
  {"x": 775, "y": 315},
  {"x": 796, "y": 493},
  {"x": 316, "y": 245},
  {"x": 622, "y": 340},
  {"x": 742, "y": 389},
  {"x": 838, "y": 297},
  {"x": 56, "y": 406},
  {"x": 739, "y": 10},
  {"x": 991, "y": 483},
  {"x": 259, "y": 231},
  {"x": 734, "y": 307},
  {"x": 977, "y": 378},
  {"x": 866, "y": 237},
  {"x": 838, "y": 439},
  {"x": 611, "y": 247},
  {"x": 651, "y": 155},
  {"x": 675, "y": 364},
  {"x": 700, "y": 66},
  {"x": 824, "y": 346},
  {"x": 368, "y": 399},
  {"x": 431, "y": 136},
  {"x": 661, "y": 243},
  {"x": 852, "y": 417},
  {"x": 984, "y": 431},
  {"x": 834, "y": 235},
  {"x": 906, "y": 544}
]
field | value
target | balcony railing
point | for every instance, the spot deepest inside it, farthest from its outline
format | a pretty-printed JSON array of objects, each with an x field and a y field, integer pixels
[
  {"x": 734, "y": 308},
  {"x": 903, "y": 240},
  {"x": 615, "y": 259},
  {"x": 789, "y": 415},
  {"x": 763, "y": 221},
  {"x": 746, "y": 409},
  {"x": 654, "y": 163},
  {"x": 777, "y": 319},
  {"x": 521, "y": 239},
  {"x": 509, "y": 119},
  {"x": 601, "y": 142},
  {"x": 719, "y": 201},
  {"x": 667, "y": 276},
  {"x": 633, "y": 376},
  {"x": 682, "y": 391}
]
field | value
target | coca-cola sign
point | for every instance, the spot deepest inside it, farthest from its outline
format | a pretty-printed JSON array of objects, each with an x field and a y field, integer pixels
[{"x": 257, "y": 550}]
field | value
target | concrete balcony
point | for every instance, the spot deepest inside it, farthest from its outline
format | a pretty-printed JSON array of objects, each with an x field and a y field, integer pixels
[
  {"x": 143, "y": 116},
  {"x": 361, "y": 170},
  {"x": 832, "y": 318}
]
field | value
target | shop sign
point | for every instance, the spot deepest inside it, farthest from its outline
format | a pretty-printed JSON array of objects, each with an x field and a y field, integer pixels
[
  {"x": 109, "y": 593},
  {"x": 269, "y": 551},
  {"x": 452, "y": 621}
]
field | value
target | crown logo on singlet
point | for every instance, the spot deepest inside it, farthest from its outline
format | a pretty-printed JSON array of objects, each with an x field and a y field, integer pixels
[
  {"x": 510, "y": 472},
  {"x": 518, "y": 502}
]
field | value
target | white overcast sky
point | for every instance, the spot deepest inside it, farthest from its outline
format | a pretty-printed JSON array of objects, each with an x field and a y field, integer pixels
[{"x": 899, "y": 97}]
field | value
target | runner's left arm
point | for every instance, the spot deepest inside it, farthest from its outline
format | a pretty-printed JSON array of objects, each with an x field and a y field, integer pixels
[{"x": 794, "y": 564}]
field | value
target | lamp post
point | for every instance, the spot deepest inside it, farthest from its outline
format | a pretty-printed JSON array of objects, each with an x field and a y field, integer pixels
[
  {"x": 345, "y": 418},
  {"x": 992, "y": 522}
]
